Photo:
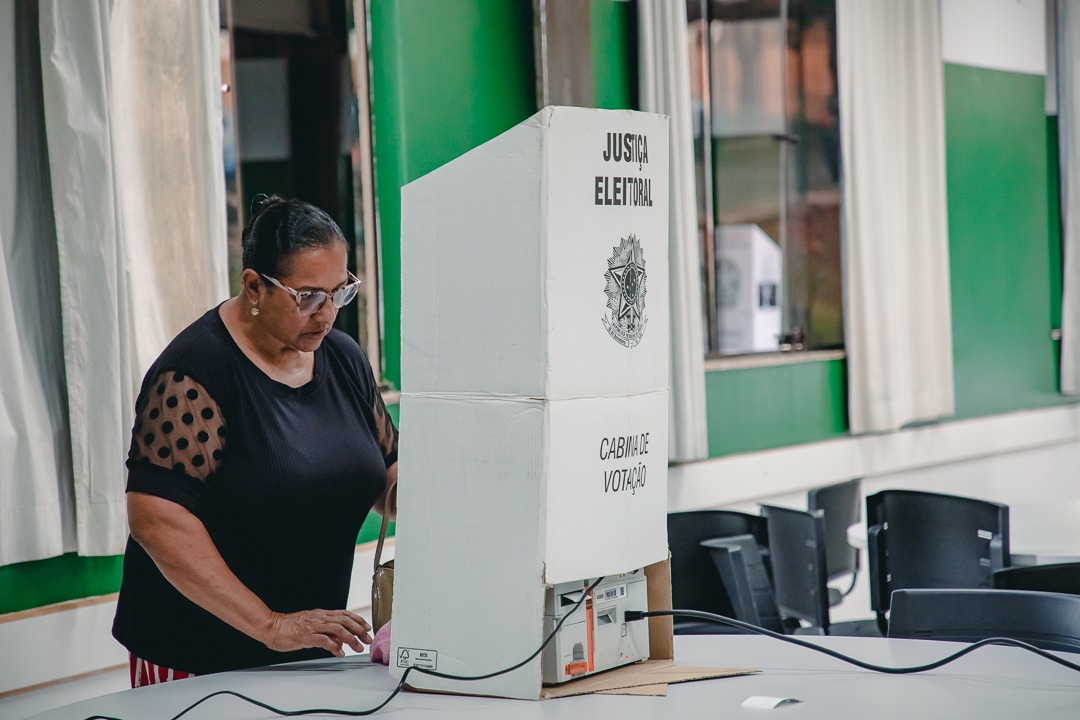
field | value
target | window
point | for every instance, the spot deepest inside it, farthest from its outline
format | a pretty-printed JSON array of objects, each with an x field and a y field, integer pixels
[
  {"x": 763, "y": 82},
  {"x": 297, "y": 123}
]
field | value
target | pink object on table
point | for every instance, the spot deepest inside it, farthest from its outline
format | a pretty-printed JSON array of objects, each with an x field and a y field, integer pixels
[{"x": 380, "y": 645}]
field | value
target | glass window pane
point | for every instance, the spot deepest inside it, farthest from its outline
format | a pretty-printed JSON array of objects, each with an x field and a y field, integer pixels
[{"x": 763, "y": 80}]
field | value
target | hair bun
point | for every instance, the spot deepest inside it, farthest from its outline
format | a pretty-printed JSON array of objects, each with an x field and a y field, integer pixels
[{"x": 262, "y": 201}]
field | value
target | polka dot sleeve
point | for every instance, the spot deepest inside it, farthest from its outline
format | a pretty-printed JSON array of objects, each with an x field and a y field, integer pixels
[{"x": 178, "y": 427}]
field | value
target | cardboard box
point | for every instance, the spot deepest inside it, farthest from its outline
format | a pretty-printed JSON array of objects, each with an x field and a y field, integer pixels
[
  {"x": 751, "y": 285},
  {"x": 512, "y": 273},
  {"x": 534, "y": 410}
]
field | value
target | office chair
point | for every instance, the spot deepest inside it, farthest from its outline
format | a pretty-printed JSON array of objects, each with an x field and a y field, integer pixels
[
  {"x": 929, "y": 540},
  {"x": 842, "y": 504},
  {"x": 742, "y": 571},
  {"x": 1050, "y": 621},
  {"x": 797, "y": 550},
  {"x": 1056, "y": 578},
  {"x": 695, "y": 582}
]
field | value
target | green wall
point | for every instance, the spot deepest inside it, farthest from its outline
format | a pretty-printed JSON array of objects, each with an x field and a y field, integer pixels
[
  {"x": 613, "y": 34},
  {"x": 446, "y": 77},
  {"x": 998, "y": 167},
  {"x": 44, "y": 582},
  {"x": 1053, "y": 220},
  {"x": 769, "y": 407}
]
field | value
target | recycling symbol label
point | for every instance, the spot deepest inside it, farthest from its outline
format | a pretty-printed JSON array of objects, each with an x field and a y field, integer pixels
[{"x": 417, "y": 658}]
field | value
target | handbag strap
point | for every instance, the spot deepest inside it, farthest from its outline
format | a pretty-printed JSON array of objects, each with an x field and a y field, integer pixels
[{"x": 382, "y": 539}]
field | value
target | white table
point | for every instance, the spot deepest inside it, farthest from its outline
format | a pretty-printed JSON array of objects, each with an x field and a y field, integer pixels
[
  {"x": 992, "y": 683},
  {"x": 1039, "y": 533}
]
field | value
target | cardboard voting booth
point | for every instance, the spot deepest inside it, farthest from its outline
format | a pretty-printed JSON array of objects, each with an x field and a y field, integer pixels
[
  {"x": 534, "y": 401},
  {"x": 751, "y": 284}
]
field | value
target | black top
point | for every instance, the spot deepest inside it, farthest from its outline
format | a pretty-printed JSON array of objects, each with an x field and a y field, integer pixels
[{"x": 281, "y": 477}]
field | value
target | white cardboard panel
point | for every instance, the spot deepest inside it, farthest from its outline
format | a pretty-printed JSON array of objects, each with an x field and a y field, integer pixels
[
  {"x": 751, "y": 291},
  {"x": 470, "y": 285},
  {"x": 470, "y": 481},
  {"x": 606, "y": 486},
  {"x": 505, "y": 261},
  {"x": 582, "y": 238},
  {"x": 767, "y": 291}
]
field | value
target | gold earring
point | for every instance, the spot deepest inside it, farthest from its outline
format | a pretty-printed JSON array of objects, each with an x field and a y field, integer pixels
[{"x": 254, "y": 311}]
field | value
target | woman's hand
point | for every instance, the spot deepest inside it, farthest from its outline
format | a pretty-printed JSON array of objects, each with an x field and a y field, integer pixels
[{"x": 326, "y": 629}]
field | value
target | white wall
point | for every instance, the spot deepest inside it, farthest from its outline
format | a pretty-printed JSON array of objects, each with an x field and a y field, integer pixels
[
  {"x": 996, "y": 34},
  {"x": 959, "y": 456}
]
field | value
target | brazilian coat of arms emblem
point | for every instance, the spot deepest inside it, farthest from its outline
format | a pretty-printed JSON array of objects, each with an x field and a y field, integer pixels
[{"x": 625, "y": 290}]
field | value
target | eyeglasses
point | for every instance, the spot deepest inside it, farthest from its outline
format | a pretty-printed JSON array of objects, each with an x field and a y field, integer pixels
[{"x": 308, "y": 301}]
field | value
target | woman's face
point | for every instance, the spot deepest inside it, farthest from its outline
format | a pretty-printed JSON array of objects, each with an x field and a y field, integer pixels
[{"x": 323, "y": 268}]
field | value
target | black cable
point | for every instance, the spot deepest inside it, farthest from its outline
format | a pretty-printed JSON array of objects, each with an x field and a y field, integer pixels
[
  {"x": 278, "y": 711},
  {"x": 400, "y": 685},
  {"x": 632, "y": 615}
]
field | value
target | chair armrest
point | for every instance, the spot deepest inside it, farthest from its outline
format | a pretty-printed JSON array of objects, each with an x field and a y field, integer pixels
[
  {"x": 728, "y": 558},
  {"x": 999, "y": 559},
  {"x": 879, "y": 585}
]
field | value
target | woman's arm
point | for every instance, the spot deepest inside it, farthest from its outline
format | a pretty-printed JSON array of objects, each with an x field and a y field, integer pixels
[
  {"x": 387, "y": 502},
  {"x": 184, "y": 553}
]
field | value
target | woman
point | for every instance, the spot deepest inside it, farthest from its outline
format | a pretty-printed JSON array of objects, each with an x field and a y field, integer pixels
[{"x": 259, "y": 446}]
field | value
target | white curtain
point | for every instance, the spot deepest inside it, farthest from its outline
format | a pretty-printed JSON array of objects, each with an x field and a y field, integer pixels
[
  {"x": 126, "y": 245},
  {"x": 1068, "y": 78},
  {"x": 897, "y": 316},
  {"x": 35, "y": 465},
  {"x": 664, "y": 62}
]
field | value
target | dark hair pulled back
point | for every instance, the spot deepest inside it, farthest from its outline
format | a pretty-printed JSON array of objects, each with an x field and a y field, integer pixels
[{"x": 280, "y": 228}]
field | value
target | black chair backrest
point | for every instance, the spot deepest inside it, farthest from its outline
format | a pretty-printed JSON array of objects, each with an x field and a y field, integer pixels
[
  {"x": 695, "y": 584},
  {"x": 797, "y": 551},
  {"x": 842, "y": 505},
  {"x": 1056, "y": 578},
  {"x": 1050, "y": 621},
  {"x": 741, "y": 567},
  {"x": 929, "y": 540}
]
